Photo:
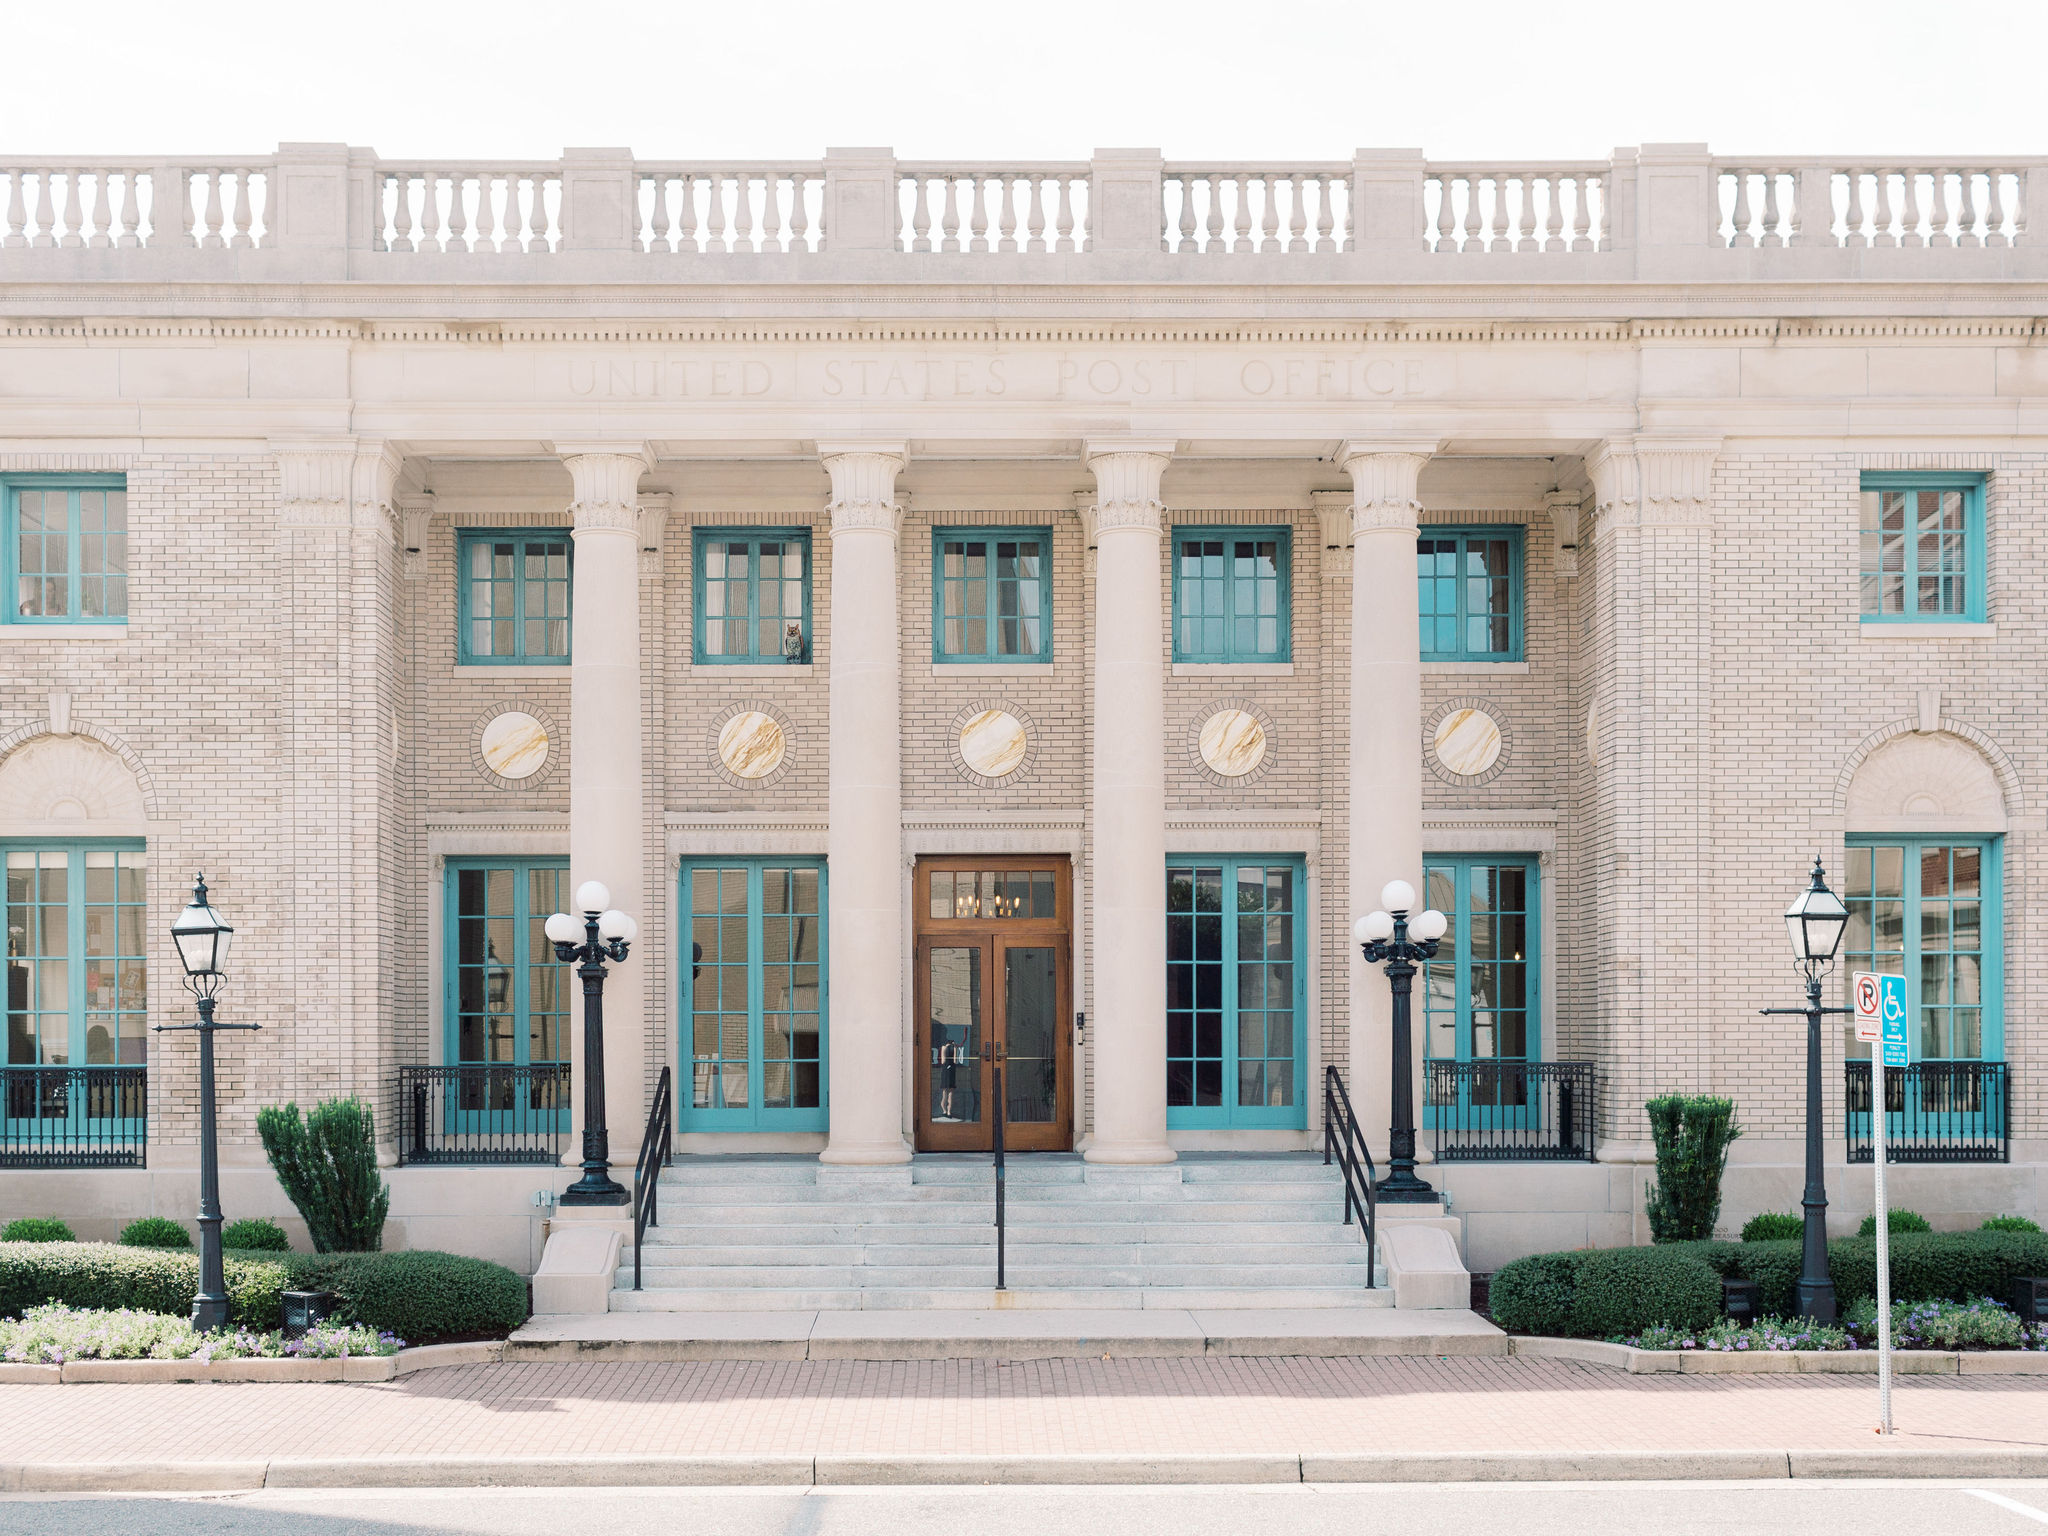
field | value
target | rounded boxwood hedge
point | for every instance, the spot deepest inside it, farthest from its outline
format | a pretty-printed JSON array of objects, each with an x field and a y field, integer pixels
[
  {"x": 420, "y": 1295},
  {"x": 155, "y": 1232},
  {"x": 2009, "y": 1224},
  {"x": 1895, "y": 1222},
  {"x": 1534, "y": 1295},
  {"x": 106, "y": 1275},
  {"x": 37, "y": 1229},
  {"x": 1773, "y": 1226},
  {"x": 255, "y": 1235},
  {"x": 1625, "y": 1290}
]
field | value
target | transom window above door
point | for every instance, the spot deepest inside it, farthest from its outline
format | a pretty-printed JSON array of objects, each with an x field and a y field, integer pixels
[
  {"x": 992, "y": 594},
  {"x": 1018, "y": 893}
]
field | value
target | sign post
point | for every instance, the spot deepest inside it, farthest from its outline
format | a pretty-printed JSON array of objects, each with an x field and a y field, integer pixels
[{"x": 1881, "y": 1020}]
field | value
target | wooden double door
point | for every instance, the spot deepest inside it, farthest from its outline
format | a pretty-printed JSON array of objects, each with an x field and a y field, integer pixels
[{"x": 993, "y": 993}]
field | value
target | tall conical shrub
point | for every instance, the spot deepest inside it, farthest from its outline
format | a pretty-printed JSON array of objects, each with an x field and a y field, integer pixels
[
  {"x": 1692, "y": 1133},
  {"x": 327, "y": 1163}
]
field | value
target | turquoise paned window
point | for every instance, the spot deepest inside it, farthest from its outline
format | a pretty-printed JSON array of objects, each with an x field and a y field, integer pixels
[
  {"x": 1479, "y": 994},
  {"x": 66, "y": 553},
  {"x": 992, "y": 594},
  {"x": 1928, "y": 909},
  {"x": 77, "y": 967},
  {"x": 514, "y": 597},
  {"x": 1921, "y": 547},
  {"x": 508, "y": 997},
  {"x": 754, "y": 1009},
  {"x": 1236, "y": 992},
  {"x": 1230, "y": 594},
  {"x": 1469, "y": 593},
  {"x": 753, "y": 595}
]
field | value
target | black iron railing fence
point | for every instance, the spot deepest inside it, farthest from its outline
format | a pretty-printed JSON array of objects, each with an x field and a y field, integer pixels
[
  {"x": 657, "y": 1150},
  {"x": 483, "y": 1114},
  {"x": 1345, "y": 1142},
  {"x": 1510, "y": 1111},
  {"x": 74, "y": 1117},
  {"x": 1937, "y": 1112}
]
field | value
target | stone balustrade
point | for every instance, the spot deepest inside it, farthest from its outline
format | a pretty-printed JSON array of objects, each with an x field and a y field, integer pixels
[{"x": 1673, "y": 212}]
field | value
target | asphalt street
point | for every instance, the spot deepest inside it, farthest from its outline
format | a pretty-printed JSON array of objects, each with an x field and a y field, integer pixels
[{"x": 1864, "y": 1507}]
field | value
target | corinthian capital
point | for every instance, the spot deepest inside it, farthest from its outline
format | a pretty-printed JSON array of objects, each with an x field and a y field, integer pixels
[
  {"x": 863, "y": 485},
  {"x": 1383, "y": 483},
  {"x": 1127, "y": 478},
  {"x": 607, "y": 481}
]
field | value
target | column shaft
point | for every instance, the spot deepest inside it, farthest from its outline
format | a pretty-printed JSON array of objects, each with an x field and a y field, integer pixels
[{"x": 864, "y": 844}]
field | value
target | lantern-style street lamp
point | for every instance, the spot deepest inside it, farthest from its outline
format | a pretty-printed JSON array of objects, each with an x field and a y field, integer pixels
[
  {"x": 202, "y": 937},
  {"x": 1389, "y": 937},
  {"x": 601, "y": 933},
  {"x": 1814, "y": 922}
]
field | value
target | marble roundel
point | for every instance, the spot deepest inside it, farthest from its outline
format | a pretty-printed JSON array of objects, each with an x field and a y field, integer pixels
[
  {"x": 1467, "y": 742},
  {"x": 992, "y": 743},
  {"x": 514, "y": 745},
  {"x": 1233, "y": 742},
  {"x": 751, "y": 745}
]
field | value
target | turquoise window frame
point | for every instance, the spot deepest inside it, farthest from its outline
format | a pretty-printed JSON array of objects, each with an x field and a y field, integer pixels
[
  {"x": 1434, "y": 975},
  {"x": 10, "y": 559},
  {"x": 990, "y": 655},
  {"x": 755, "y": 1117},
  {"x": 1229, "y": 1113},
  {"x": 1462, "y": 614},
  {"x": 1987, "y": 1120},
  {"x": 469, "y": 538},
  {"x": 79, "y": 1014},
  {"x": 1974, "y": 546},
  {"x": 461, "y": 1115},
  {"x": 1233, "y": 585},
  {"x": 754, "y": 538}
]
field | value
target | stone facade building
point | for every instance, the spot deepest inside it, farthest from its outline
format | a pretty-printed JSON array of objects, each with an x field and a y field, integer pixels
[{"x": 953, "y": 606}]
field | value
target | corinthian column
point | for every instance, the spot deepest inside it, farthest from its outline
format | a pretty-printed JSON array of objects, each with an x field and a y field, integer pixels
[
  {"x": 607, "y": 769},
  {"x": 1386, "y": 747},
  {"x": 864, "y": 843},
  {"x": 1128, "y": 814}
]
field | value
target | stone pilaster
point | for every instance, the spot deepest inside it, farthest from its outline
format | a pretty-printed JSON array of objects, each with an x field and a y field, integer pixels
[
  {"x": 1129, "y": 806},
  {"x": 1385, "y": 751},
  {"x": 607, "y": 764},
  {"x": 864, "y": 840}
]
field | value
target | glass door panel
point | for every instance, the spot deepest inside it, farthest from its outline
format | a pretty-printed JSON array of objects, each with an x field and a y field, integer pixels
[
  {"x": 1031, "y": 1036},
  {"x": 955, "y": 1037}
]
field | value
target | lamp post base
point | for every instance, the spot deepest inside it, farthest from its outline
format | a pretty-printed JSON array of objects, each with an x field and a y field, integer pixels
[
  {"x": 598, "y": 1190},
  {"x": 1402, "y": 1187},
  {"x": 1817, "y": 1300}
]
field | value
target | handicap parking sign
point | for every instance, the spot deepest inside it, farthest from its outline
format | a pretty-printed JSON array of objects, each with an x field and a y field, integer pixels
[{"x": 1891, "y": 1010}]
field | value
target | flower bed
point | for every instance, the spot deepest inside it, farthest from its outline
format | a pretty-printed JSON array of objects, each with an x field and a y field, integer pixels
[
  {"x": 1940, "y": 1325},
  {"x": 55, "y": 1334}
]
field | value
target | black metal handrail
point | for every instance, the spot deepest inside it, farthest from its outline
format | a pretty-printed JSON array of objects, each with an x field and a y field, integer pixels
[
  {"x": 1002, "y": 1108},
  {"x": 1936, "y": 1112},
  {"x": 1501, "y": 1111},
  {"x": 74, "y": 1117},
  {"x": 1342, "y": 1137},
  {"x": 655, "y": 1152},
  {"x": 479, "y": 1113}
]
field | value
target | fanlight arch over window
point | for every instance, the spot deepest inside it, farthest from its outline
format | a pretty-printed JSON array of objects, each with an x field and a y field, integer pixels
[{"x": 1936, "y": 782}]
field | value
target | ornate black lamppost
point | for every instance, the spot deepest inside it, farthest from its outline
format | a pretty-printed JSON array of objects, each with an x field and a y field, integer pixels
[
  {"x": 1388, "y": 937},
  {"x": 202, "y": 940},
  {"x": 606, "y": 933},
  {"x": 1815, "y": 921}
]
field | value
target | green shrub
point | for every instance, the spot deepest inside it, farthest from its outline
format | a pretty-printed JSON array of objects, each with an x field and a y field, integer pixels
[
  {"x": 109, "y": 1277},
  {"x": 155, "y": 1232},
  {"x": 1625, "y": 1290},
  {"x": 41, "y": 1229},
  {"x": 1938, "y": 1266},
  {"x": 1895, "y": 1223},
  {"x": 1692, "y": 1134},
  {"x": 2009, "y": 1224},
  {"x": 422, "y": 1296},
  {"x": 1534, "y": 1295},
  {"x": 1774, "y": 1266},
  {"x": 255, "y": 1235},
  {"x": 1773, "y": 1226},
  {"x": 327, "y": 1163}
]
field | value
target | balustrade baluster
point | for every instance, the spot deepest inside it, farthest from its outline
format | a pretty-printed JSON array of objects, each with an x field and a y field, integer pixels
[
  {"x": 1240, "y": 191},
  {"x": 949, "y": 218},
  {"x": 771, "y": 213},
  {"x": 1909, "y": 233},
  {"x": 714, "y": 212},
  {"x": 921, "y": 218},
  {"x": 1471, "y": 236},
  {"x": 1036, "y": 214},
  {"x": 1937, "y": 216},
  {"x": 214, "y": 219},
  {"x": 743, "y": 223},
  {"x": 102, "y": 213},
  {"x": 1187, "y": 214},
  {"x": 799, "y": 215},
  {"x": 978, "y": 220},
  {"x": 244, "y": 218},
  {"x": 1606, "y": 239},
  {"x": 74, "y": 211},
  {"x": 1065, "y": 225},
  {"x": 1500, "y": 241},
  {"x": 1006, "y": 228},
  {"x": 1213, "y": 187},
  {"x": 1270, "y": 222},
  {"x": 1966, "y": 208},
  {"x": 1739, "y": 237},
  {"x": 430, "y": 211},
  {"x": 46, "y": 212},
  {"x": 1852, "y": 221},
  {"x": 401, "y": 211},
  {"x": 497, "y": 213},
  {"x": 1582, "y": 212},
  {"x": 458, "y": 213},
  {"x": 131, "y": 212},
  {"x": 1771, "y": 238},
  {"x": 657, "y": 214},
  {"x": 538, "y": 220},
  {"x": 1446, "y": 215},
  {"x": 1326, "y": 221},
  {"x": 2019, "y": 206},
  {"x": 1881, "y": 215},
  {"x": 1994, "y": 207},
  {"x": 686, "y": 213},
  {"x": 17, "y": 213},
  {"x": 1553, "y": 218},
  {"x": 1297, "y": 216},
  {"x": 1526, "y": 234}
]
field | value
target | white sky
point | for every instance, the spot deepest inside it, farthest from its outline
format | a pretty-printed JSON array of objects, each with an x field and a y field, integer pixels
[{"x": 1236, "y": 79}]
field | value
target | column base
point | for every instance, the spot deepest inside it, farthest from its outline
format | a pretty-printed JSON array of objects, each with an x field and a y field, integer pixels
[
  {"x": 1129, "y": 1152},
  {"x": 866, "y": 1154}
]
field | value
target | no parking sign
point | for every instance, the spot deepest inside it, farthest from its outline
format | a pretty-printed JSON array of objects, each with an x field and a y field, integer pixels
[{"x": 1881, "y": 1014}]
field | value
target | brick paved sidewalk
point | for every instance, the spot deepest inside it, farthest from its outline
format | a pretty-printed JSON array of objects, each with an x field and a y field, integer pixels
[{"x": 1051, "y": 1407}]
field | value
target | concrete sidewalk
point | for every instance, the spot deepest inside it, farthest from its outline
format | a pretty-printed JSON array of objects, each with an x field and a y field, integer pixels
[{"x": 1205, "y": 1419}]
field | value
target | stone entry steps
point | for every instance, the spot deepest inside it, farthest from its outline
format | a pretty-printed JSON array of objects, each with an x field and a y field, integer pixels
[{"x": 787, "y": 1234}]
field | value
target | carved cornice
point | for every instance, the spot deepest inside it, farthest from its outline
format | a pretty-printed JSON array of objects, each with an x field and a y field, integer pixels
[
  {"x": 1654, "y": 482},
  {"x": 1127, "y": 479},
  {"x": 864, "y": 496},
  {"x": 607, "y": 484}
]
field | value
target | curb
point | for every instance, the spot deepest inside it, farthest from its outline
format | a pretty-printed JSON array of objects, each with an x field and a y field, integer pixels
[
  {"x": 1815, "y": 1362},
  {"x": 1044, "y": 1347},
  {"x": 355, "y": 1368},
  {"x": 735, "y": 1470}
]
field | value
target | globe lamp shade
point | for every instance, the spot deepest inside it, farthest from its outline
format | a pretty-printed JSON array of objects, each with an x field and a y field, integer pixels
[
  {"x": 1398, "y": 896},
  {"x": 1429, "y": 924},
  {"x": 563, "y": 929},
  {"x": 1374, "y": 926},
  {"x": 591, "y": 896},
  {"x": 614, "y": 924}
]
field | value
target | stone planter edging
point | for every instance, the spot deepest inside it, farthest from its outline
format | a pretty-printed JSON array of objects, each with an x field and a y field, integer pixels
[
  {"x": 1812, "y": 1362},
  {"x": 356, "y": 1368}
]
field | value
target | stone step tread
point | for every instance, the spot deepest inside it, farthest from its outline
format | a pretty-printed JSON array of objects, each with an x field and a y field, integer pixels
[
  {"x": 914, "y": 1255},
  {"x": 674, "y": 1215},
  {"x": 763, "y": 1299},
  {"x": 679, "y": 1277},
  {"x": 1267, "y": 1236},
  {"x": 1298, "y": 1192}
]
